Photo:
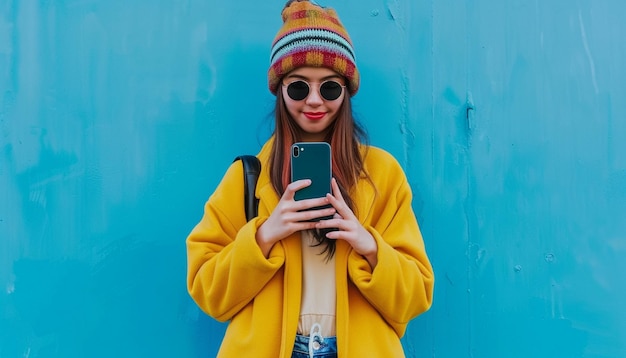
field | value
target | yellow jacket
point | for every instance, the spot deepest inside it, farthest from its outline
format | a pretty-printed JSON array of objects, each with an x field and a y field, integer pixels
[{"x": 230, "y": 279}]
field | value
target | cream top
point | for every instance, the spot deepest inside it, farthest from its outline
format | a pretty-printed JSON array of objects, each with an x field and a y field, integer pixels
[{"x": 319, "y": 293}]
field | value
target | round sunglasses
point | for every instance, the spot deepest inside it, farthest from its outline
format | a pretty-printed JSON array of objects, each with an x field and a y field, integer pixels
[{"x": 329, "y": 90}]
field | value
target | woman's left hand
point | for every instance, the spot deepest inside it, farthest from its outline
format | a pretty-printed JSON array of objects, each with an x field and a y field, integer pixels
[{"x": 349, "y": 228}]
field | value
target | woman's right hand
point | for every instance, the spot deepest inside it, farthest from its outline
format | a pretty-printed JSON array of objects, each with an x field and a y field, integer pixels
[{"x": 288, "y": 216}]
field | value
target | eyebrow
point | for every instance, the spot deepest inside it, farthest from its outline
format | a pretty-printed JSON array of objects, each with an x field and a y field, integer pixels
[{"x": 308, "y": 79}]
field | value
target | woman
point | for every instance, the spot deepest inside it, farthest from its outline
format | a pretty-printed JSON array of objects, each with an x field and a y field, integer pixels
[{"x": 295, "y": 287}]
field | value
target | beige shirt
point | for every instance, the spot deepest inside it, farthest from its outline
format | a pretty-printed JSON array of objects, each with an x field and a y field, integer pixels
[{"x": 319, "y": 293}]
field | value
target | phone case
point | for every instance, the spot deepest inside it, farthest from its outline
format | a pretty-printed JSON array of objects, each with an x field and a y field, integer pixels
[{"x": 312, "y": 160}]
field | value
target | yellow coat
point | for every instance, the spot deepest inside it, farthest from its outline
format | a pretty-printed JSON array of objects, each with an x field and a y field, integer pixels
[{"x": 230, "y": 279}]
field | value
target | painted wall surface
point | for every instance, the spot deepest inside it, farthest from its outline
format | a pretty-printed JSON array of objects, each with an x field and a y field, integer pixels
[{"x": 118, "y": 119}]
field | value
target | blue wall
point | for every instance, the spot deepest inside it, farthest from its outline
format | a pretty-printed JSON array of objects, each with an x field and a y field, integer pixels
[{"x": 117, "y": 120}]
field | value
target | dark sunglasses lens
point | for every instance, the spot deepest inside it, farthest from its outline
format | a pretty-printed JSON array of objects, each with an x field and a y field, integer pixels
[
  {"x": 298, "y": 90},
  {"x": 330, "y": 90}
]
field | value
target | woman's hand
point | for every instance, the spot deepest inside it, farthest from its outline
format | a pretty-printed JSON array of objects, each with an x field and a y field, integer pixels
[
  {"x": 288, "y": 216},
  {"x": 349, "y": 228}
]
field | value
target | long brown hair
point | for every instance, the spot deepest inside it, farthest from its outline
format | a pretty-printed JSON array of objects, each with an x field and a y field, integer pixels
[{"x": 345, "y": 135}]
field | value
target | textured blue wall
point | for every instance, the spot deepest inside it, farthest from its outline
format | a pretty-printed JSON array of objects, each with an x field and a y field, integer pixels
[{"x": 118, "y": 119}]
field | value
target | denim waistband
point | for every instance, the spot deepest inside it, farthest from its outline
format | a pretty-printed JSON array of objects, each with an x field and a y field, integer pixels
[{"x": 322, "y": 347}]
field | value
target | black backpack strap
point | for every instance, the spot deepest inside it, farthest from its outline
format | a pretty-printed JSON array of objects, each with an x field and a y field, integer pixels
[{"x": 251, "y": 171}]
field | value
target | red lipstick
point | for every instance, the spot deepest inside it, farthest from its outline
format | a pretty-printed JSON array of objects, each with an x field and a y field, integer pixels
[{"x": 315, "y": 116}]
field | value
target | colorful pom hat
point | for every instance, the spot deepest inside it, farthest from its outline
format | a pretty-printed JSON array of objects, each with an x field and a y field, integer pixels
[{"x": 311, "y": 35}]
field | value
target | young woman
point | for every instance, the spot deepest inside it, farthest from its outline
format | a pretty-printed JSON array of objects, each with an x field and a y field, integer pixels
[{"x": 291, "y": 287}]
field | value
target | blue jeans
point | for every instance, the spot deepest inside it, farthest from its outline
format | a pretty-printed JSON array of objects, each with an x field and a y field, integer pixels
[{"x": 322, "y": 348}]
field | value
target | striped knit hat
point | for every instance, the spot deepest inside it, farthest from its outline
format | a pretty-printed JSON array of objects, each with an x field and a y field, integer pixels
[{"x": 311, "y": 36}]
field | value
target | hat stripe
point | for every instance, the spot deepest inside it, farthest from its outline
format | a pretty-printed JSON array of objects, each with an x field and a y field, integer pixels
[
  {"x": 299, "y": 48},
  {"x": 319, "y": 38}
]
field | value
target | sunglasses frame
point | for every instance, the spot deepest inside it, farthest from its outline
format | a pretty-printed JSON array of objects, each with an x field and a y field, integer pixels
[{"x": 343, "y": 87}]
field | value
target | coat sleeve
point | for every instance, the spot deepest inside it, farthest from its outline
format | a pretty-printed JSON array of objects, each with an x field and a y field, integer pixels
[
  {"x": 225, "y": 266},
  {"x": 401, "y": 285}
]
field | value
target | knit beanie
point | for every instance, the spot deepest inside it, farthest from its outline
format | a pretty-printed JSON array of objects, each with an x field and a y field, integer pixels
[{"x": 312, "y": 35}]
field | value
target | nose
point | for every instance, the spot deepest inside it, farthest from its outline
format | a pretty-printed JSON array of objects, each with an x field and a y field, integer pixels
[{"x": 314, "y": 98}]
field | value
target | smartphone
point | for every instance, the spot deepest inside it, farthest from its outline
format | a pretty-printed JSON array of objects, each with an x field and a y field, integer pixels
[{"x": 312, "y": 160}]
